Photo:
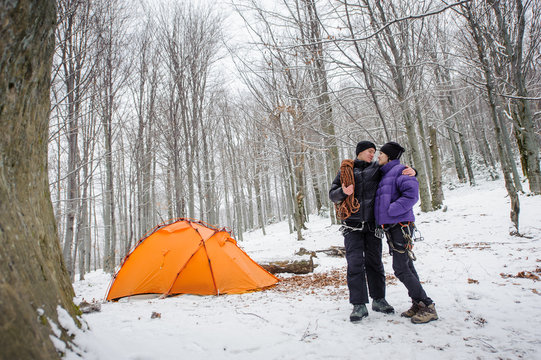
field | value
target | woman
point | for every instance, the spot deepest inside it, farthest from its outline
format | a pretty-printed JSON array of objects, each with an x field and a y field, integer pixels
[{"x": 393, "y": 209}]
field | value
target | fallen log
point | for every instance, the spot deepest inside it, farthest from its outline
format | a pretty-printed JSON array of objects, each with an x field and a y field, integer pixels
[
  {"x": 303, "y": 266},
  {"x": 89, "y": 307},
  {"x": 334, "y": 251}
]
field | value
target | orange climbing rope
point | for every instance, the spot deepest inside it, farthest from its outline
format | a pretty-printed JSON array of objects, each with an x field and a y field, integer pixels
[{"x": 350, "y": 205}]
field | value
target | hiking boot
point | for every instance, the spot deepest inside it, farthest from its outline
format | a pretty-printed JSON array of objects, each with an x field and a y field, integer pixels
[
  {"x": 411, "y": 311},
  {"x": 381, "y": 305},
  {"x": 359, "y": 312},
  {"x": 425, "y": 314}
]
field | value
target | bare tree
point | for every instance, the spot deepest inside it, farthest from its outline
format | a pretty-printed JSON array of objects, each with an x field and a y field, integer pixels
[
  {"x": 147, "y": 76},
  {"x": 495, "y": 109},
  {"x": 74, "y": 39},
  {"x": 306, "y": 17},
  {"x": 83, "y": 243},
  {"x": 511, "y": 19},
  {"x": 111, "y": 80}
]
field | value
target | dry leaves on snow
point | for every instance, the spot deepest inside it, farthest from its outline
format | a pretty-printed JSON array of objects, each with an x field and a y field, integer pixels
[
  {"x": 335, "y": 278},
  {"x": 334, "y": 281},
  {"x": 524, "y": 275},
  {"x": 475, "y": 245}
]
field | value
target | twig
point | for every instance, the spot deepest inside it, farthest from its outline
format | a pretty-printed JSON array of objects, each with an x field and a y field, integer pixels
[
  {"x": 307, "y": 332},
  {"x": 245, "y": 313}
]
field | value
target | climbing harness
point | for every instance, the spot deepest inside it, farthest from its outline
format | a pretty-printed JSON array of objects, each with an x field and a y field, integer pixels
[
  {"x": 410, "y": 234},
  {"x": 346, "y": 229}
]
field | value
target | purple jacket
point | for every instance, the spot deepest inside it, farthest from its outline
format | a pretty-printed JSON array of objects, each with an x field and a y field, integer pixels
[{"x": 396, "y": 195}]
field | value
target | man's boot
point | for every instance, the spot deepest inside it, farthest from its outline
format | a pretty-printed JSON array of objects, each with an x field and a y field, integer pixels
[
  {"x": 411, "y": 311},
  {"x": 381, "y": 305},
  {"x": 425, "y": 314},
  {"x": 359, "y": 312}
]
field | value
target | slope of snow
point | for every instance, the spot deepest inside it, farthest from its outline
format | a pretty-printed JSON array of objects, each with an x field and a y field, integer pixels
[{"x": 467, "y": 261}]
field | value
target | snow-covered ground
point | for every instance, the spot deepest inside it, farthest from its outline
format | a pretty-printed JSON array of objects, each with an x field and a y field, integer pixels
[{"x": 468, "y": 262}]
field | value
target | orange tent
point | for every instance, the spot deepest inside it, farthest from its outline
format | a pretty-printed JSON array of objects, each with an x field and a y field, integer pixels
[{"x": 188, "y": 257}]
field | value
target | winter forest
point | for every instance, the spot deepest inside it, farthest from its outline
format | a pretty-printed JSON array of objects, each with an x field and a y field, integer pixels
[{"x": 239, "y": 112}]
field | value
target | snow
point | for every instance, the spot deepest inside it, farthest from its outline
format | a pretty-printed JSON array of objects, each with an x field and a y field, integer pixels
[{"x": 467, "y": 262}]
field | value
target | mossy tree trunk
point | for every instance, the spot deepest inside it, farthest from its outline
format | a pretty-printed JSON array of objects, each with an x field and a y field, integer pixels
[{"x": 33, "y": 278}]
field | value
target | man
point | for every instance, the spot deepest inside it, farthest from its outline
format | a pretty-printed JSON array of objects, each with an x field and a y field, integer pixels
[
  {"x": 395, "y": 198},
  {"x": 363, "y": 248}
]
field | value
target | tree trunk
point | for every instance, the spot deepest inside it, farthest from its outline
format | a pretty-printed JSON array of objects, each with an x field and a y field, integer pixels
[
  {"x": 467, "y": 160},
  {"x": 437, "y": 191},
  {"x": 287, "y": 199},
  {"x": 72, "y": 195},
  {"x": 73, "y": 190},
  {"x": 314, "y": 174},
  {"x": 303, "y": 266},
  {"x": 424, "y": 145},
  {"x": 424, "y": 188},
  {"x": 324, "y": 102},
  {"x": 278, "y": 199},
  {"x": 456, "y": 155},
  {"x": 297, "y": 193},
  {"x": 267, "y": 194},
  {"x": 249, "y": 198},
  {"x": 33, "y": 279},
  {"x": 223, "y": 175},
  {"x": 82, "y": 234},
  {"x": 211, "y": 186},
  {"x": 109, "y": 212},
  {"x": 228, "y": 216},
  {"x": 107, "y": 100},
  {"x": 506, "y": 142},
  {"x": 483, "y": 143},
  {"x": 258, "y": 197},
  {"x": 200, "y": 182}
]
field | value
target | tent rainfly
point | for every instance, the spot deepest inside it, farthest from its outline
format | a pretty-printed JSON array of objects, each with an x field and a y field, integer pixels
[{"x": 187, "y": 257}]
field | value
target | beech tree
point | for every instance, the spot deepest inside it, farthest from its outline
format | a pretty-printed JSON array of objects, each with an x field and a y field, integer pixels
[
  {"x": 111, "y": 80},
  {"x": 73, "y": 39},
  {"x": 495, "y": 111},
  {"x": 34, "y": 282},
  {"x": 511, "y": 31}
]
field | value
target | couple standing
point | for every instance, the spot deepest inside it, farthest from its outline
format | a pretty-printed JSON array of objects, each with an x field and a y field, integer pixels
[{"x": 376, "y": 196}]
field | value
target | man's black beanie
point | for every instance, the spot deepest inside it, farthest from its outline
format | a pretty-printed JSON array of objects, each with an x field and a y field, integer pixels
[
  {"x": 393, "y": 150},
  {"x": 363, "y": 145}
]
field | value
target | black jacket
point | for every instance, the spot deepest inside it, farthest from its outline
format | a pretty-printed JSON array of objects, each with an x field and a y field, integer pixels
[{"x": 367, "y": 177}]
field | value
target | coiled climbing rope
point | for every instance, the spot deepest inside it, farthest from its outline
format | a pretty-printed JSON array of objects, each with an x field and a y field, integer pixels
[{"x": 350, "y": 204}]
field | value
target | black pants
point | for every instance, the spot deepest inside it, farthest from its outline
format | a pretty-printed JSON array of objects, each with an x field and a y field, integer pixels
[
  {"x": 363, "y": 255},
  {"x": 403, "y": 266}
]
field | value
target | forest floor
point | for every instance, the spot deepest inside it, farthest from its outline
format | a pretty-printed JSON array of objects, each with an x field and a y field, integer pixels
[{"x": 485, "y": 284}]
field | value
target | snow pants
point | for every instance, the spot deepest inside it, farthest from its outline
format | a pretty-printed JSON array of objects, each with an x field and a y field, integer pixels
[
  {"x": 363, "y": 255},
  {"x": 403, "y": 266}
]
